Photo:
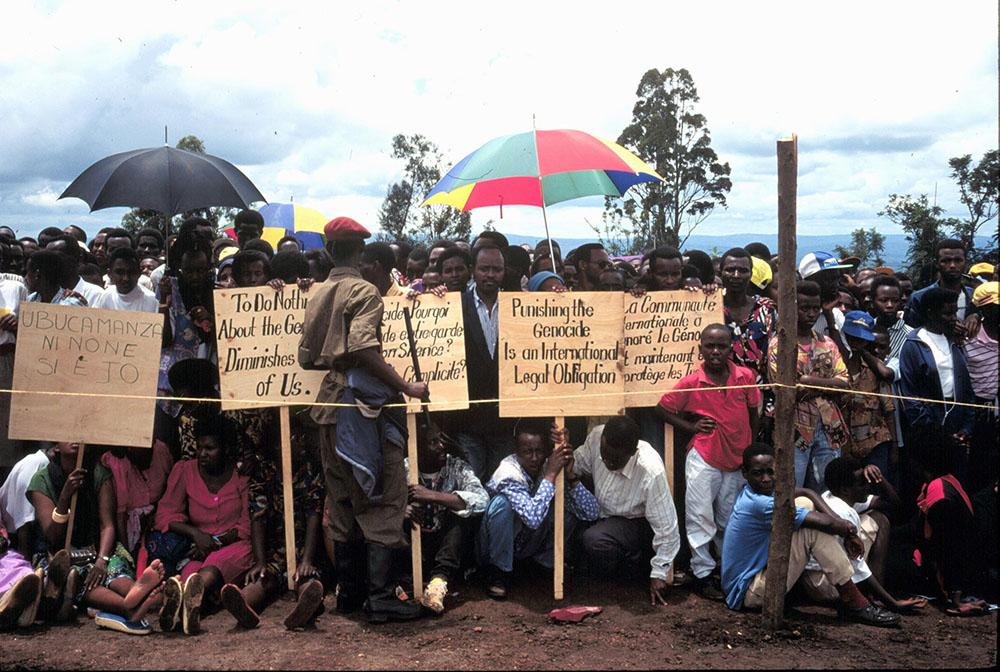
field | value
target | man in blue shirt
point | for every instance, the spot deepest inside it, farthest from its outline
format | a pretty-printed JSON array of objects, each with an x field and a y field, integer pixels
[
  {"x": 745, "y": 547},
  {"x": 519, "y": 520}
]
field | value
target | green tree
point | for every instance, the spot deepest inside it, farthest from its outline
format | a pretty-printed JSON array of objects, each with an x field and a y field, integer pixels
[
  {"x": 865, "y": 245},
  {"x": 923, "y": 225},
  {"x": 137, "y": 218},
  {"x": 978, "y": 190},
  {"x": 401, "y": 216},
  {"x": 670, "y": 136}
]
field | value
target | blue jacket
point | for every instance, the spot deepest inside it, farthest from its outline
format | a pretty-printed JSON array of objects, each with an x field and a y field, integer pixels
[
  {"x": 919, "y": 378},
  {"x": 363, "y": 429},
  {"x": 912, "y": 315}
]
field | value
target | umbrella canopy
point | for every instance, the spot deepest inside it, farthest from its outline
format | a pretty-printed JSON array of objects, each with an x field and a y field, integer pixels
[
  {"x": 540, "y": 168},
  {"x": 288, "y": 219},
  {"x": 164, "y": 179}
]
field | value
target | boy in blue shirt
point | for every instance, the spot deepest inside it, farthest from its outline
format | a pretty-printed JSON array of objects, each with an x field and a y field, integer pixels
[{"x": 745, "y": 547}]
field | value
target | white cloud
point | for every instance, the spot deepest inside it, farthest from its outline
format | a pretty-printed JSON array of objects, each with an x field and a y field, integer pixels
[{"x": 305, "y": 98}]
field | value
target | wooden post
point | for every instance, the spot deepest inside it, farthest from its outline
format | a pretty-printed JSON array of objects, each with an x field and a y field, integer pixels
[
  {"x": 559, "y": 527},
  {"x": 413, "y": 477},
  {"x": 287, "y": 493},
  {"x": 72, "y": 503},
  {"x": 784, "y": 425},
  {"x": 668, "y": 467},
  {"x": 668, "y": 455}
]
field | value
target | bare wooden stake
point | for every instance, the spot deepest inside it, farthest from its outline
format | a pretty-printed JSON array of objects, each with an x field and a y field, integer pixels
[
  {"x": 413, "y": 478},
  {"x": 72, "y": 503},
  {"x": 559, "y": 528},
  {"x": 288, "y": 496},
  {"x": 784, "y": 421}
]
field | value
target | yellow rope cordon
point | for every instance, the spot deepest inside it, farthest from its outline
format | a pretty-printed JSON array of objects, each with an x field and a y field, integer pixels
[{"x": 431, "y": 404}]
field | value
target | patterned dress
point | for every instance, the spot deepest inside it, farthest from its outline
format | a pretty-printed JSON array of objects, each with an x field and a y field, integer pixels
[
  {"x": 267, "y": 502},
  {"x": 819, "y": 357},
  {"x": 750, "y": 342}
]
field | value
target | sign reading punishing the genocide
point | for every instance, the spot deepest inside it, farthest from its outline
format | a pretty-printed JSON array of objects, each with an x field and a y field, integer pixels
[
  {"x": 85, "y": 350},
  {"x": 662, "y": 332},
  {"x": 258, "y": 331},
  {"x": 554, "y": 345},
  {"x": 439, "y": 334}
]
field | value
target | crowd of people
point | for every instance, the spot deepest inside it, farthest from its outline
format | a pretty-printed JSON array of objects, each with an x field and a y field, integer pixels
[{"x": 895, "y": 439}]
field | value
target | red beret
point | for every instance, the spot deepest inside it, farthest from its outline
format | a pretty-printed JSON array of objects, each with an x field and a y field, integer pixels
[{"x": 345, "y": 228}]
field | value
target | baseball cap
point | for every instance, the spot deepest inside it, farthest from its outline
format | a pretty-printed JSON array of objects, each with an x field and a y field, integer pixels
[
  {"x": 814, "y": 262},
  {"x": 986, "y": 294},
  {"x": 760, "y": 276},
  {"x": 859, "y": 324},
  {"x": 981, "y": 267}
]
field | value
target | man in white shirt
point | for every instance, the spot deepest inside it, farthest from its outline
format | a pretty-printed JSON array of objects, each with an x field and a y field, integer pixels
[
  {"x": 637, "y": 517},
  {"x": 850, "y": 497},
  {"x": 16, "y": 511},
  {"x": 12, "y": 292},
  {"x": 125, "y": 292}
]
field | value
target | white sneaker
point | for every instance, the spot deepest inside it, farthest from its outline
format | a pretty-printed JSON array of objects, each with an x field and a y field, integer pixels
[{"x": 434, "y": 594}]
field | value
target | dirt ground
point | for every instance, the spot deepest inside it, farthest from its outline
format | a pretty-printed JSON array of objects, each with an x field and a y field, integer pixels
[{"x": 478, "y": 633}]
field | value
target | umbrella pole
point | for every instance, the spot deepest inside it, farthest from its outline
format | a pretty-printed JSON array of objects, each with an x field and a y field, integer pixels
[{"x": 541, "y": 193}]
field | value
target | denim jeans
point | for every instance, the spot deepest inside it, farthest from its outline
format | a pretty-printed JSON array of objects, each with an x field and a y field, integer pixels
[
  {"x": 810, "y": 464},
  {"x": 503, "y": 537}
]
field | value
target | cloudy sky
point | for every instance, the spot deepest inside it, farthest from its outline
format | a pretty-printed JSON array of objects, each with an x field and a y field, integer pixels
[{"x": 306, "y": 99}]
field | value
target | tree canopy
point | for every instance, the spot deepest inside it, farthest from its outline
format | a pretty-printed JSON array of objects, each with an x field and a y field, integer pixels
[
  {"x": 401, "y": 217},
  {"x": 667, "y": 133}
]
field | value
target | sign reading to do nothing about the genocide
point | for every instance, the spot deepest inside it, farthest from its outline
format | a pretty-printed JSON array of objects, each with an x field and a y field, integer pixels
[
  {"x": 662, "y": 332},
  {"x": 560, "y": 345},
  {"x": 258, "y": 331},
  {"x": 439, "y": 334},
  {"x": 87, "y": 351}
]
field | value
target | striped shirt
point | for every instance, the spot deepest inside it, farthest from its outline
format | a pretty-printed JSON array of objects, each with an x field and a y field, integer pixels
[
  {"x": 531, "y": 499},
  {"x": 981, "y": 360},
  {"x": 637, "y": 490},
  {"x": 489, "y": 320},
  {"x": 897, "y": 336}
]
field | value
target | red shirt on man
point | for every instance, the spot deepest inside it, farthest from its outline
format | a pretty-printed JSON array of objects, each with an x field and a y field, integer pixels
[{"x": 723, "y": 447}]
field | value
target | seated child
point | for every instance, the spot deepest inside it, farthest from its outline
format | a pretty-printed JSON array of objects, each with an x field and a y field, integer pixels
[
  {"x": 850, "y": 482},
  {"x": 442, "y": 504}
]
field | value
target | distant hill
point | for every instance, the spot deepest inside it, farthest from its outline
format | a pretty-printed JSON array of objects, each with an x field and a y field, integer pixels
[{"x": 895, "y": 244}]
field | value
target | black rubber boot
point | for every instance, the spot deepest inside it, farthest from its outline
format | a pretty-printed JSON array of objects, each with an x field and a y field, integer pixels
[
  {"x": 382, "y": 604},
  {"x": 350, "y": 564}
]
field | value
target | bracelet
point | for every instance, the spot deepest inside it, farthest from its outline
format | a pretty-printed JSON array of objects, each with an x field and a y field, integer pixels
[
  {"x": 60, "y": 517},
  {"x": 105, "y": 558}
]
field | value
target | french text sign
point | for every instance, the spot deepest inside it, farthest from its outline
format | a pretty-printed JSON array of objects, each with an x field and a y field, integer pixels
[
  {"x": 662, "y": 332},
  {"x": 439, "y": 334},
  {"x": 560, "y": 345},
  {"x": 85, "y": 350},
  {"x": 258, "y": 331}
]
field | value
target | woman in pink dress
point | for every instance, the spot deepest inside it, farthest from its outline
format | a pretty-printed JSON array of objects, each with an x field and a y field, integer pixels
[{"x": 206, "y": 502}]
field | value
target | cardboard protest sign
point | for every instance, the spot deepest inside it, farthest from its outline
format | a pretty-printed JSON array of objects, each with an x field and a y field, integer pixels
[
  {"x": 662, "y": 331},
  {"x": 85, "y": 350},
  {"x": 560, "y": 344},
  {"x": 258, "y": 331},
  {"x": 439, "y": 333}
]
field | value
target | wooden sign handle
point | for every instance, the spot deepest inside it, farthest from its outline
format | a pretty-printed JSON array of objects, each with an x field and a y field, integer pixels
[
  {"x": 288, "y": 494},
  {"x": 72, "y": 504},
  {"x": 559, "y": 527},
  {"x": 413, "y": 477}
]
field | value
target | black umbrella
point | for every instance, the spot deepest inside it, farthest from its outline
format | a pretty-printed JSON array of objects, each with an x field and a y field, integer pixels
[{"x": 164, "y": 179}]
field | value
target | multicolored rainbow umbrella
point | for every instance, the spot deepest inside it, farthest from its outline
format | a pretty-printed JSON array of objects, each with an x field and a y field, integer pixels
[
  {"x": 540, "y": 168},
  {"x": 289, "y": 219}
]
